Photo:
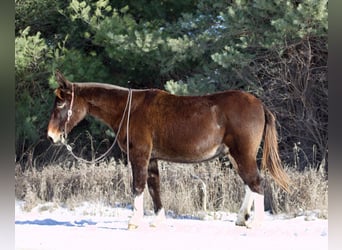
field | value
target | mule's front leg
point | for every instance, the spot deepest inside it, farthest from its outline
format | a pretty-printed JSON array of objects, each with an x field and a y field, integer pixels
[
  {"x": 139, "y": 182},
  {"x": 138, "y": 212}
]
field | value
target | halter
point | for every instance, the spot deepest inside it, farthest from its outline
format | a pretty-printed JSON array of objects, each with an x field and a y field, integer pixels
[
  {"x": 96, "y": 160},
  {"x": 69, "y": 111}
]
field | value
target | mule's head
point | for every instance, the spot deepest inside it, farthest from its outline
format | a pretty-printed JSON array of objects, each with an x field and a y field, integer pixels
[{"x": 68, "y": 110}]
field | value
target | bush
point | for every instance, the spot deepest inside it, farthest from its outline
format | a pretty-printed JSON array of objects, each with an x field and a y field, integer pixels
[
  {"x": 185, "y": 189},
  {"x": 275, "y": 49},
  {"x": 33, "y": 98}
]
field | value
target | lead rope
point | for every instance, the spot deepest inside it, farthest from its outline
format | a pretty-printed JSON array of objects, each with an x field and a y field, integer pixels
[
  {"x": 129, "y": 100},
  {"x": 96, "y": 160}
]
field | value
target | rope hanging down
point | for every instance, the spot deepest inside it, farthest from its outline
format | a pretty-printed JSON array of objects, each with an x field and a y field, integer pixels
[{"x": 98, "y": 159}]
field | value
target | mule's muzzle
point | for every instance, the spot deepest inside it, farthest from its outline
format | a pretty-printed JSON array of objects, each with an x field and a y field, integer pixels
[{"x": 56, "y": 137}]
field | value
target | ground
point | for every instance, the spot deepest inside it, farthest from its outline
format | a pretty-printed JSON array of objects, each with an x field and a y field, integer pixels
[{"x": 93, "y": 226}]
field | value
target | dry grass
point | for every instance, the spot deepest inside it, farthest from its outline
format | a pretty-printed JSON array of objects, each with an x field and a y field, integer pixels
[{"x": 186, "y": 189}]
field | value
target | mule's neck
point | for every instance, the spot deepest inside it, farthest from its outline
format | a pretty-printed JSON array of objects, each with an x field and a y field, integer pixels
[{"x": 105, "y": 102}]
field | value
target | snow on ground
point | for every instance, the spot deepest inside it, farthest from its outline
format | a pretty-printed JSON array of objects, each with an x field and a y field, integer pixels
[{"x": 98, "y": 227}]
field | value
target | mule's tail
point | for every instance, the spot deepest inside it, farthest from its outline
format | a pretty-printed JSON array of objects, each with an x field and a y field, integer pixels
[{"x": 270, "y": 156}]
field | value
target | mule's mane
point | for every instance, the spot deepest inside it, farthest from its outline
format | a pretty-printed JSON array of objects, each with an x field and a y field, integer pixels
[
  {"x": 108, "y": 86},
  {"x": 100, "y": 85}
]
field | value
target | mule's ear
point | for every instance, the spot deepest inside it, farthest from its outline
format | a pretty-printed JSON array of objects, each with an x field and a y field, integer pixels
[
  {"x": 61, "y": 80},
  {"x": 58, "y": 93}
]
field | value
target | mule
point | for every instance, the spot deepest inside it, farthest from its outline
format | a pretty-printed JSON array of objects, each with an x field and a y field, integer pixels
[{"x": 184, "y": 129}]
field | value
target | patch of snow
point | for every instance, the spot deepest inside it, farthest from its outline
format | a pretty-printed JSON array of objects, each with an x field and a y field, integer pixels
[{"x": 95, "y": 226}]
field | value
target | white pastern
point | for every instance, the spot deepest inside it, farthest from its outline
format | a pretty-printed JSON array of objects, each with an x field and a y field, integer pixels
[
  {"x": 245, "y": 208},
  {"x": 159, "y": 218},
  {"x": 138, "y": 212},
  {"x": 258, "y": 211}
]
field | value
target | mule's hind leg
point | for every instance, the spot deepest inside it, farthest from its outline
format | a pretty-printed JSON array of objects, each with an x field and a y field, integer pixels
[
  {"x": 245, "y": 210},
  {"x": 153, "y": 182},
  {"x": 248, "y": 171}
]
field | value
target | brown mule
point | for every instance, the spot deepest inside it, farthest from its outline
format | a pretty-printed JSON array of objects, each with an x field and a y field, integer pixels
[{"x": 184, "y": 129}]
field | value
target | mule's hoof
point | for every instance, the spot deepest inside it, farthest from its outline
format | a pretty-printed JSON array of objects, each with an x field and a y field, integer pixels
[
  {"x": 132, "y": 226},
  {"x": 253, "y": 224},
  {"x": 159, "y": 219},
  {"x": 156, "y": 223},
  {"x": 153, "y": 225},
  {"x": 240, "y": 223}
]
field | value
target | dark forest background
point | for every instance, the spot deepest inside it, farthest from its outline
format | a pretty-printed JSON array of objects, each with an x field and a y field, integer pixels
[{"x": 277, "y": 50}]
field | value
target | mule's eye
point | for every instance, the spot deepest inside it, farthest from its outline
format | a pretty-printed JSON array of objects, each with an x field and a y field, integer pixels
[{"x": 60, "y": 105}]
